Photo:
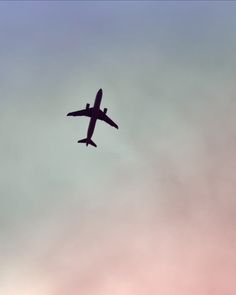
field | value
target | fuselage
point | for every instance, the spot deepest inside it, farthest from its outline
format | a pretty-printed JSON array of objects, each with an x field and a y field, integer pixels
[{"x": 93, "y": 120}]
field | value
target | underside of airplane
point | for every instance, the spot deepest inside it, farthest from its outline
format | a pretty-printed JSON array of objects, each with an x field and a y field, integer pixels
[{"x": 94, "y": 113}]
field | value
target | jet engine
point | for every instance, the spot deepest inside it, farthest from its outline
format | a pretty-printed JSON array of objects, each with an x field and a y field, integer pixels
[
  {"x": 105, "y": 110},
  {"x": 87, "y": 106}
]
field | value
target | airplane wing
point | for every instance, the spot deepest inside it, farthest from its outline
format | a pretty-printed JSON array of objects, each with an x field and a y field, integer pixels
[
  {"x": 102, "y": 116},
  {"x": 85, "y": 112}
]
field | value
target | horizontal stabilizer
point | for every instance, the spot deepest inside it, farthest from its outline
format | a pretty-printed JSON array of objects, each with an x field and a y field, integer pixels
[
  {"x": 83, "y": 140},
  {"x": 92, "y": 143},
  {"x": 87, "y": 141}
]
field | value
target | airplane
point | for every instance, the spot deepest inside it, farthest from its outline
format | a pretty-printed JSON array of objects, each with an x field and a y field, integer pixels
[{"x": 94, "y": 113}]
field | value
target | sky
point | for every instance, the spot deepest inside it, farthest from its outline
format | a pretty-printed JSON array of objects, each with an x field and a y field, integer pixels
[{"x": 152, "y": 209}]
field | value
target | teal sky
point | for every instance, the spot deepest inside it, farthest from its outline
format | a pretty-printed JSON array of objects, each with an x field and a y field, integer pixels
[{"x": 152, "y": 209}]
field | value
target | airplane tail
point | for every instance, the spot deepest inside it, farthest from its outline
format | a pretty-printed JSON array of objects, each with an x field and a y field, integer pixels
[{"x": 87, "y": 141}]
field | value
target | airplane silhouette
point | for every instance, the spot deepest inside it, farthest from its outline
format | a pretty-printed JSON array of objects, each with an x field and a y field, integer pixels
[{"x": 94, "y": 113}]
